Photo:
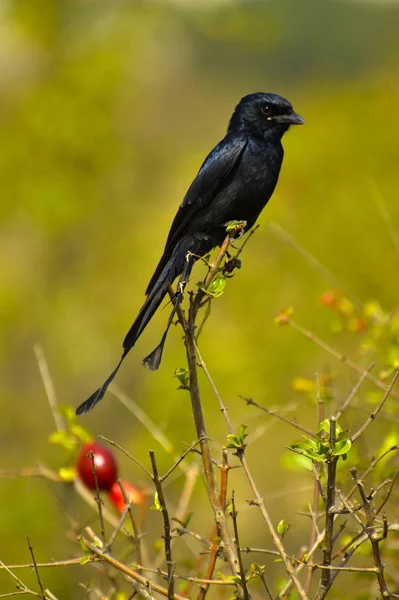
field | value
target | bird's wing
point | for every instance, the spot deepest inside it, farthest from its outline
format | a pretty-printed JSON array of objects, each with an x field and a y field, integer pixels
[{"x": 217, "y": 166}]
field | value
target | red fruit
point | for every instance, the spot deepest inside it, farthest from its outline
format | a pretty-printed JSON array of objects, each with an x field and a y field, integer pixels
[
  {"x": 116, "y": 496},
  {"x": 106, "y": 467}
]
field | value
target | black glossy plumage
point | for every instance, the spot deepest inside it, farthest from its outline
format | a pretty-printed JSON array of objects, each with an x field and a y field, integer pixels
[{"x": 234, "y": 183}]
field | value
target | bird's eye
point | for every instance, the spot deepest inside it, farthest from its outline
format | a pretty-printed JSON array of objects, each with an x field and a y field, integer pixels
[{"x": 266, "y": 109}]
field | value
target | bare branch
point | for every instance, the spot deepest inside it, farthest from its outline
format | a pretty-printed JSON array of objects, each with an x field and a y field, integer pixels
[{"x": 166, "y": 525}]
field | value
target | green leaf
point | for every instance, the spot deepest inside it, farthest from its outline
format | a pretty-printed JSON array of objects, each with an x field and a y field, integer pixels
[
  {"x": 84, "y": 560},
  {"x": 282, "y": 528},
  {"x": 182, "y": 375},
  {"x": 188, "y": 518},
  {"x": 342, "y": 447},
  {"x": 217, "y": 285},
  {"x": 156, "y": 505}
]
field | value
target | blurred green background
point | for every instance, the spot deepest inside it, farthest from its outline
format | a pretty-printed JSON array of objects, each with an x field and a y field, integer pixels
[{"x": 107, "y": 110}]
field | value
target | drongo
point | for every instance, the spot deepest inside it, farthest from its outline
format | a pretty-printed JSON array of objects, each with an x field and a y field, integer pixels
[{"x": 234, "y": 183}]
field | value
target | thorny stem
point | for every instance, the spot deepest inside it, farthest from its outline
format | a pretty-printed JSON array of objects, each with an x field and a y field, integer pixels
[
  {"x": 213, "y": 492},
  {"x": 237, "y": 542},
  {"x": 143, "y": 583},
  {"x": 224, "y": 471},
  {"x": 208, "y": 469},
  {"x": 375, "y": 412},
  {"x": 316, "y": 490},
  {"x": 373, "y": 536},
  {"x": 324, "y": 584},
  {"x": 98, "y": 497},
  {"x": 166, "y": 525},
  {"x": 36, "y": 569},
  {"x": 135, "y": 528}
]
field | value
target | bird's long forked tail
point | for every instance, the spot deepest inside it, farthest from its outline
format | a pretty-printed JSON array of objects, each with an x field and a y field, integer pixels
[{"x": 153, "y": 360}]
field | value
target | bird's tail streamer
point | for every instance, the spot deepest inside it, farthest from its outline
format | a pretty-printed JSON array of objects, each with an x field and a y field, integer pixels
[{"x": 180, "y": 262}]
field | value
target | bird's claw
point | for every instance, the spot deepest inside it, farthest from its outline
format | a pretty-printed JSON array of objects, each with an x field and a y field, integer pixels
[{"x": 233, "y": 263}]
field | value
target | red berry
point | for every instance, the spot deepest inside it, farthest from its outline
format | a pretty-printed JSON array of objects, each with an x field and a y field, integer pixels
[
  {"x": 116, "y": 496},
  {"x": 106, "y": 467}
]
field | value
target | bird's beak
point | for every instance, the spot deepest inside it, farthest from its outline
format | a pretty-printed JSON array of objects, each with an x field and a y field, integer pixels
[{"x": 290, "y": 119}]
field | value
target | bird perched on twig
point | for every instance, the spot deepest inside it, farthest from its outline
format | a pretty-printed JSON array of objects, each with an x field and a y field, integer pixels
[{"x": 234, "y": 183}]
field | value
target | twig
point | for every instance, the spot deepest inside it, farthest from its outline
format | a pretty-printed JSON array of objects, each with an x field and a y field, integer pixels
[
  {"x": 310, "y": 258},
  {"x": 135, "y": 528},
  {"x": 375, "y": 412},
  {"x": 317, "y": 488},
  {"x": 117, "y": 529},
  {"x": 324, "y": 584},
  {"x": 39, "y": 581},
  {"x": 20, "y": 584},
  {"x": 224, "y": 471},
  {"x": 237, "y": 543},
  {"x": 119, "y": 566},
  {"x": 138, "y": 463},
  {"x": 374, "y": 538},
  {"x": 49, "y": 387},
  {"x": 98, "y": 498},
  {"x": 213, "y": 493},
  {"x": 363, "y": 537},
  {"x": 338, "y": 355},
  {"x": 261, "y": 504},
  {"x": 223, "y": 408},
  {"x": 183, "y": 456},
  {"x": 272, "y": 413},
  {"x": 142, "y": 416},
  {"x": 166, "y": 525},
  {"x": 382, "y": 207},
  {"x": 55, "y": 563},
  {"x": 353, "y": 392}
]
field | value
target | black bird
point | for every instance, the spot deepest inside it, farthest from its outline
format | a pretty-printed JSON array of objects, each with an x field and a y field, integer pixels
[{"x": 234, "y": 183}]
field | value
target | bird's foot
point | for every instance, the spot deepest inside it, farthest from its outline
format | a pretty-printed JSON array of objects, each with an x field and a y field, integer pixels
[
  {"x": 236, "y": 230},
  {"x": 233, "y": 263}
]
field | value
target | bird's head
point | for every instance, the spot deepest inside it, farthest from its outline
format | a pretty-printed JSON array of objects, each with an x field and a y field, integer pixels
[{"x": 260, "y": 113}]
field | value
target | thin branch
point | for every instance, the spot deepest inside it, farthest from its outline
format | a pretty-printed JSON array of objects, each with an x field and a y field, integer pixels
[
  {"x": 272, "y": 413},
  {"x": 310, "y": 258},
  {"x": 261, "y": 504},
  {"x": 237, "y": 543},
  {"x": 144, "y": 583},
  {"x": 213, "y": 492},
  {"x": 324, "y": 584},
  {"x": 135, "y": 528},
  {"x": 183, "y": 456},
  {"x": 98, "y": 498},
  {"x": 142, "y": 416},
  {"x": 224, "y": 471},
  {"x": 317, "y": 490},
  {"x": 138, "y": 463},
  {"x": 49, "y": 387},
  {"x": 117, "y": 529},
  {"x": 223, "y": 408},
  {"x": 374, "y": 538},
  {"x": 166, "y": 525},
  {"x": 39, "y": 581},
  {"x": 20, "y": 584},
  {"x": 353, "y": 392},
  {"x": 375, "y": 412},
  {"x": 338, "y": 355}
]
